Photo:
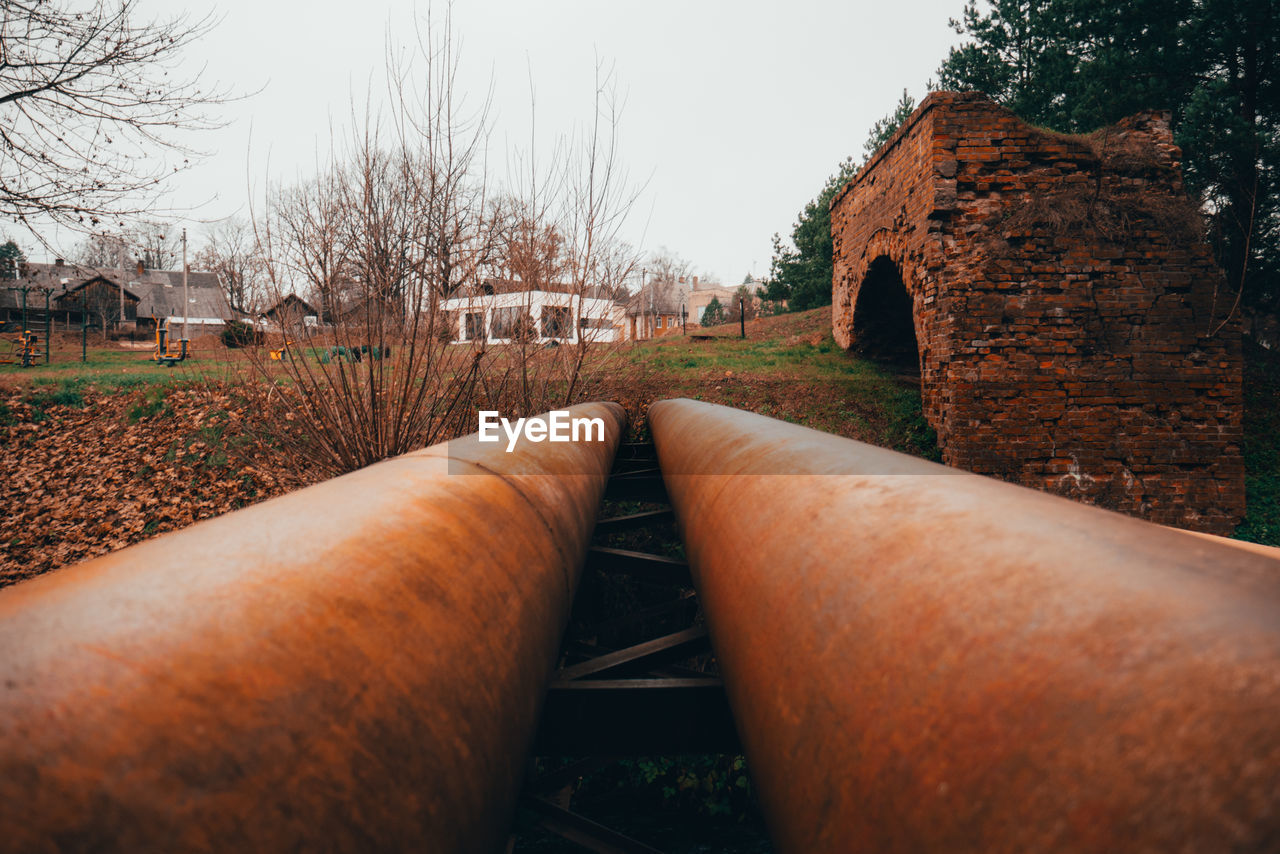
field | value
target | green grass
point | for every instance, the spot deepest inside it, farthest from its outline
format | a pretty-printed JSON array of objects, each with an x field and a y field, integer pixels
[
  {"x": 152, "y": 405},
  {"x": 1261, "y": 446},
  {"x": 790, "y": 368},
  {"x": 108, "y": 369}
]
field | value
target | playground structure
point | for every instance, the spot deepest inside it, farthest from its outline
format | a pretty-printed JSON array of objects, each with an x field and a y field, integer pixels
[
  {"x": 164, "y": 353},
  {"x": 25, "y": 350},
  {"x": 914, "y": 658}
]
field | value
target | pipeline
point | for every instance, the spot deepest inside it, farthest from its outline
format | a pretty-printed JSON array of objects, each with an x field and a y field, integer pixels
[
  {"x": 355, "y": 666},
  {"x": 921, "y": 659}
]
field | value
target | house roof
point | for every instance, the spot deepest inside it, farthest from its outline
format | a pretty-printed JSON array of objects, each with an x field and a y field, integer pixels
[
  {"x": 159, "y": 292},
  {"x": 291, "y": 302},
  {"x": 645, "y": 301}
]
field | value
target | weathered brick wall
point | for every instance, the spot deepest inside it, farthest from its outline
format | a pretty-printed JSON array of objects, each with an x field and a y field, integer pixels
[{"x": 1069, "y": 320}]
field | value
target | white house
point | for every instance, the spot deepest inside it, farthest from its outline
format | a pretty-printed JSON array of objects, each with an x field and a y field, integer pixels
[{"x": 541, "y": 315}]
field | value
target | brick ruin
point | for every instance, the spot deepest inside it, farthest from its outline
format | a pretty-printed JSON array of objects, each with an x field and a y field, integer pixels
[{"x": 1059, "y": 303}]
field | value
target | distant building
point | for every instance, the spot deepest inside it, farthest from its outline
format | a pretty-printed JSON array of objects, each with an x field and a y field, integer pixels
[
  {"x": 700, "y": 297},
  {"x": 654, "y": 311},
  {"x": 95, "y": 295},
  {"x": 292, "y": 313},
  {"x": 503, "y": 312}
]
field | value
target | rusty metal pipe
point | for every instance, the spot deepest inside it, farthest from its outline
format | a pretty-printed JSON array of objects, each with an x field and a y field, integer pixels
[
  {"x": 920, "y": 659},
  {"x": 355, "y": 666}
]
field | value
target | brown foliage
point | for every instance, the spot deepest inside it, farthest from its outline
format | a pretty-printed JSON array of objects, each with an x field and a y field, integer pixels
[{"x": 80, "y": 482}]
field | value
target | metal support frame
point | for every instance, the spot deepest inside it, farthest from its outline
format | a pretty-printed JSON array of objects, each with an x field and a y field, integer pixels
[
  {"x": 641, "y": 565},
  {"x": 633, "y": 521},
  {"x": 583, "y": 831},
  {"x": 636, "y": 717},
  {"x": 641, "y": 657}
]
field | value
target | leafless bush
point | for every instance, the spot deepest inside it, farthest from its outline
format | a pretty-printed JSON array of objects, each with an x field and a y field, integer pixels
[{"x": 360, "y": 261}]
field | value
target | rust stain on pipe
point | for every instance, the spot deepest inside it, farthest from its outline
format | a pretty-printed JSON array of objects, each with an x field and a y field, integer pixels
[
  {"x": 925, "y": 660},
  {"x": 355, "y": 666}
]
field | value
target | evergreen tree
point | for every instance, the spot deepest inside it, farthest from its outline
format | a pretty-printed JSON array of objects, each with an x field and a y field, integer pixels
[
  {"x": 713, "y": 314},
  {"x": 1077, "y": 65},
  {"x": 886, "y": 127},
  {"x": 11, "y": 256},
  {"x": 801, "y": 272}
]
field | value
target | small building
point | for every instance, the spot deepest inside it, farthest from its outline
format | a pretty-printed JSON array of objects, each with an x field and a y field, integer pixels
[
  {"x": 700, "y": 297},
  {"x": 502, "y": 312},
  {"x": 292, "y": 313},
  {"x": 652, "y": 315}
]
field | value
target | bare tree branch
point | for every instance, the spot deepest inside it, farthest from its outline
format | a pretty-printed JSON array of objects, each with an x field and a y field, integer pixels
[{"x": 88, "y": 99}]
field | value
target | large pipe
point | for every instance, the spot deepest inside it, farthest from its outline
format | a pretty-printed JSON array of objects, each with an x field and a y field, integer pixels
[
  {"x": 356, "y": 666},
  {"x": 920, "y": 659}
]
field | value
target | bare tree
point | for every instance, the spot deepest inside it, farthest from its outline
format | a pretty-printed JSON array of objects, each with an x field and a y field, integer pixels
[
  {"x": 102, "y": 250},
  {"x": 662, "y": 288},
  {"x": 394, "y": 223},
  {"x": 154, "y": 244},
  {"x": 304, "y": 234},
  {"x": 232, "y": 253},
  {"x": 583, "y": 199},
  {"x": 401, "y": 220},
  {"x": 88, "y": 96}
]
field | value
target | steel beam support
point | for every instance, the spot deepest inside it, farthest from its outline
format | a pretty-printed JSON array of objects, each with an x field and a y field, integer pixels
[
  {"x": 356, "y": 666},
  {"x": 636, "y": 717},
  {"x": 582, "y": 831},
  {"x": 920, "y": 659},
  {"x": 641, "y": 657},
  {"x": 641, "y": 565},
  {"x": 632, "y": 521},
  {"x": 637, "y": 487}
]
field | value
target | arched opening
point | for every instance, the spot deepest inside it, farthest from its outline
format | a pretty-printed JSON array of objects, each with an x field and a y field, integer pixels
[{"x": 884, "y": 329}]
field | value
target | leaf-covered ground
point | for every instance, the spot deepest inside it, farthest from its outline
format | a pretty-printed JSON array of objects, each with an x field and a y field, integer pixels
[{"x": 87, "y": 471}]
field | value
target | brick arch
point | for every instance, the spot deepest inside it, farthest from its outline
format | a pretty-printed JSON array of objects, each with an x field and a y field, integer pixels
[
  {"x": 883, "y": 261},
  {"x": 1077, "y": 359}
]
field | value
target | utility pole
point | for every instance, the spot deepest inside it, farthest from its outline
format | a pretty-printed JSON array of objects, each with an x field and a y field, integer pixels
[
  {"x": 742, "y": 317},
  {"x": 84, "y": 327},
  {"x": 120, "y": 283},
  {"x": 186, "y": 297}
]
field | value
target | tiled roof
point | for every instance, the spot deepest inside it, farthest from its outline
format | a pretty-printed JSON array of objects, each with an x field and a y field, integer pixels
[{"x": 159, "y": 292}]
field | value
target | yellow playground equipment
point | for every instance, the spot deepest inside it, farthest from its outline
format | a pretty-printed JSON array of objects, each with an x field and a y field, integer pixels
[
  {"x": 25, "y": 350},
  {"x": 282, "y": 352},
  {"x": 165, "y": 354}
]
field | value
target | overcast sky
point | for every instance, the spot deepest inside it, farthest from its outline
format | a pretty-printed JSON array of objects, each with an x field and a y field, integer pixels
[{"x": 735, "y": 112}]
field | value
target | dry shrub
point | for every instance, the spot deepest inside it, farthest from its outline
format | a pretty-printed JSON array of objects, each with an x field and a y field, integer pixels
[
  {"x": 400, "y": 220},
  {"x": 1129, "y": 192}
]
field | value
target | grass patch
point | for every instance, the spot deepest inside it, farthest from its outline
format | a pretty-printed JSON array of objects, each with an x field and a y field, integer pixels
[
  {"x": 1261, "y": 446},
  {"x": 790, "y": 368},
  {"x": 110, "y": 368},
  {"x": 153, "y": 405}
]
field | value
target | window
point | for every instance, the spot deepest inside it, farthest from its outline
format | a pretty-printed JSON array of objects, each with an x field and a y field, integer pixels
[
  {"x": 513, "y": 322},
  {"x": 475, "y": 326},
  {"x": 556, "y": 321}
]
